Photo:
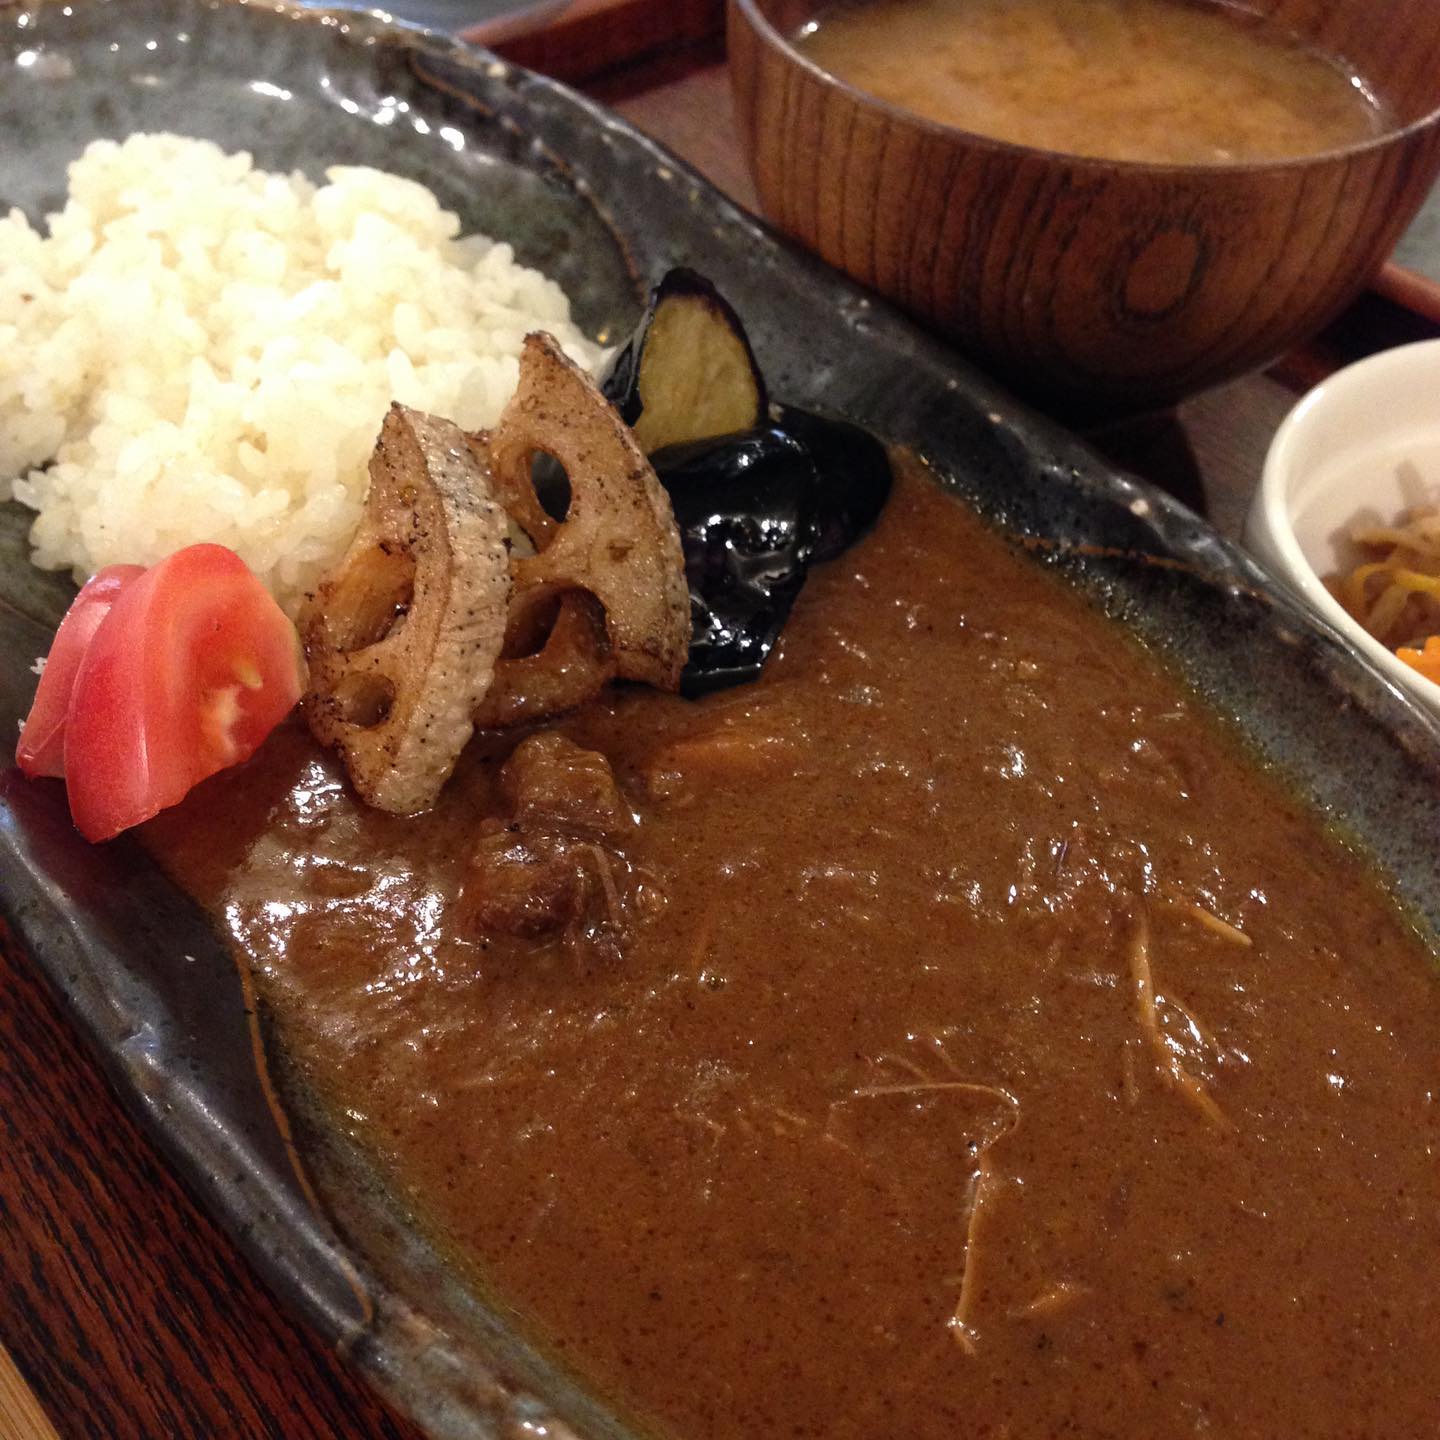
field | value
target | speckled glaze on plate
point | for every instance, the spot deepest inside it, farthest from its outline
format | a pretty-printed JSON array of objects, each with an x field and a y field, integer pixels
[{"x": 583, "y": 196}]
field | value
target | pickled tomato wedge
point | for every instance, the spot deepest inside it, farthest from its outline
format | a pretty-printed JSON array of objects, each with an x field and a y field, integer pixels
[
  {"x": 191, "y": 668},
  {"x": 41, "y": 750}
]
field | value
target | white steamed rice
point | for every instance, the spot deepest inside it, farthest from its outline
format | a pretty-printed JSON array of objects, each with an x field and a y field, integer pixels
[{"x": 205, "y": 351}]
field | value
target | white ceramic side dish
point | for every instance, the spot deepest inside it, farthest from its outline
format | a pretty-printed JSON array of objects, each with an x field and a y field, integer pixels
[{"x": 1363, "y": 446}]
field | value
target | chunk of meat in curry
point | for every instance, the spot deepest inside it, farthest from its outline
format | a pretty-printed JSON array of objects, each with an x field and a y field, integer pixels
[{"x": 544, "y": 870}]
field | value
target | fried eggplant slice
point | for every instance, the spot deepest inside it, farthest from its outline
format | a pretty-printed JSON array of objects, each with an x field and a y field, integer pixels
[
  {"x": 403, "y": 634},
  {"x": 853, "y": 470},
  {"x": 747, "y": 510},
  {"x": 688, "y": 372},
  {"x": 617, "y": 540},
  {"x": 755, "y": 511}
]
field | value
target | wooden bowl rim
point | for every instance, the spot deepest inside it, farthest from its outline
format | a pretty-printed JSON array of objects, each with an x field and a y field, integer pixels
[{"x": 864, "y": 100}]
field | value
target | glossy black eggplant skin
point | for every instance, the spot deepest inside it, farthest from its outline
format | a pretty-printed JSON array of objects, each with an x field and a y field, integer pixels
[
  {"x": 754, "y": 510},
  {"x": 754, "y": 507},
  {"x": 745, "y": 506},
  {"x": 619, "y": 380},
  {"x": 854, "y": 474}
]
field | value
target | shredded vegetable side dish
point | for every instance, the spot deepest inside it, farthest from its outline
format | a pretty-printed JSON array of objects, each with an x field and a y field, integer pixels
[{"x": 1395, "y": 592}]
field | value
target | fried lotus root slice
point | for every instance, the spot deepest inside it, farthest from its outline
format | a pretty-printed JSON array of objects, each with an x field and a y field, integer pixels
[
  {"x": 618, "y": 541},
  {"x": 403, "y": 634},
  {"x": 572, "y": 665}
]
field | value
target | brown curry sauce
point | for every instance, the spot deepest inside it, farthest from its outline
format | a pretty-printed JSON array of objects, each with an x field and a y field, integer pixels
[{"x": 962, "y": 1037}]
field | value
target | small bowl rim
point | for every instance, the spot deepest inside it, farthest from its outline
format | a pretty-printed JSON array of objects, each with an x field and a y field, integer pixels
[
  {"x": 1095, "y": 163},
  {"x": 1274, "y": 513}
]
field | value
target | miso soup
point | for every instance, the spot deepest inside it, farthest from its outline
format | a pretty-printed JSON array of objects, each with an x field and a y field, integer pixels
[{"x": 1163, "y": 81}]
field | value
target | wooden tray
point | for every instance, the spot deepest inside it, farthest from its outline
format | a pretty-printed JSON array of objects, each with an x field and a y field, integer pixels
[{"x": 582, "y": 40}]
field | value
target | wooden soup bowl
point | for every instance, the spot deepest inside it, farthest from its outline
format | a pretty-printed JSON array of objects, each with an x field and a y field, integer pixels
[{"x": 1093, "y": 286}]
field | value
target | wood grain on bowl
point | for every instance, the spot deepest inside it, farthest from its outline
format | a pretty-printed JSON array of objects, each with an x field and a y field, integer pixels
[{"x": 1088, "y": 284}]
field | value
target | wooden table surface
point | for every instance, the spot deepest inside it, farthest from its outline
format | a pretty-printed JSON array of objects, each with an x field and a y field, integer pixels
[{"x": 126, "y": 1311}]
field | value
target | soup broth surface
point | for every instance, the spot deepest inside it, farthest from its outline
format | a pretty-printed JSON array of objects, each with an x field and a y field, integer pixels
[
  {"x": 971, "y": 1040},
  {"x": 1163, "y": 81}
]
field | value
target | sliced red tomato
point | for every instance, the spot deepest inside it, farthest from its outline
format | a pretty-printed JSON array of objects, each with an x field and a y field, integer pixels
[
  {"x": 42, "y": 742},
  {"x": 192, "y": 668}
]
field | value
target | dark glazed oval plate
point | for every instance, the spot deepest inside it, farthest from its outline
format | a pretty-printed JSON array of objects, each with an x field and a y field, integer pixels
[{"x": 584, "y": 197}]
